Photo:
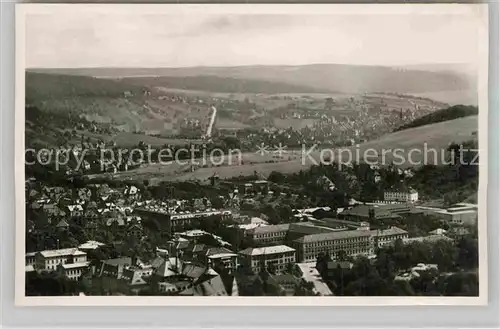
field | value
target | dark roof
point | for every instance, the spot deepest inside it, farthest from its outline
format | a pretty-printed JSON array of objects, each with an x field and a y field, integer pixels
[
  {"x": 118, "y": 261},
  {"x": 218, "y": 250},
  {"x": 183, "y": 244},
  {"x": 193, "y": 271},
  {"x": 363, "y": 211},
  {"x": 198, "y": 247},
  {"x": 211, "y": 287},
  {"x": 157, "y": 262},
  {"x": 62, "y": 223},
  {"x": 271, "y": 229},
  {"x": 307, "y": 229}
]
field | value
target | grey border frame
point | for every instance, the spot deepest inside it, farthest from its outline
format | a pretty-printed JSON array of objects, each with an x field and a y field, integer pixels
[{"x": 374, "y": 316}]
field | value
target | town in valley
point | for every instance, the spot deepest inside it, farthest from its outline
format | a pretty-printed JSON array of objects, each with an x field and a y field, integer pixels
[{"x": 116, "y": 204}]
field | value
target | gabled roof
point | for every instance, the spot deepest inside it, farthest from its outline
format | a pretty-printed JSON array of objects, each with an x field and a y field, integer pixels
[
  {"x": 211, "y": 287},
  {"x": 193, "y": 271},
  {"x": 217, "y": 251},
  {"x": 167, "y": 267},
  {"x": 118, "y": 261},
  {"x": 62, "y": 224},
  {"x": 271, "y": 229}
]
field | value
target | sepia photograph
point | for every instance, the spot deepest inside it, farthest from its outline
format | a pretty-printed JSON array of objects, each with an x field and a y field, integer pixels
[{"x": 297, "y": 155}]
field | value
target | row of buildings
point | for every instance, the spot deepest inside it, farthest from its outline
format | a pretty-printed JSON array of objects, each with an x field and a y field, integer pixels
[{"x": 280, "y": 251}]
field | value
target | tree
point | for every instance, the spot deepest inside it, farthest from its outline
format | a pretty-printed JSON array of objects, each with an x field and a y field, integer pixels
[
  {"x": 276, "y": 177},
  {"x": 271, "y": 268},
  {"x": 304, "y": 288},
  {"x": 322, "y": 264},
  {"x": 461, "y": 284},
  {"x": 468, "y": 253},
  {"x": 341, "y": 255}
]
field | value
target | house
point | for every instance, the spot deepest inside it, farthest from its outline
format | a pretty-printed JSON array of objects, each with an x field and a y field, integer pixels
[
  {"x": 73, "y": 271},
  {"x": 62, "y": 225},
  {"x": 30, "y": 258},
  {"x": 257, "y": 258},
  {"x": 356, "y": 242},
  {"x": 222, "y": 259},
  {"x": 49, "y": 259},
  {"x": 132, "y": 192},
  {"x": 382, "y": 238},
  {"x": 75, "y": 210},
  {"x": 261, "y": 186},
  {"x": 269, "y": 234},
  {"x": 135, "y": 277},
  {"x": 209, "y": 283},
  {"x": 167, "y": 267},
  {"x": 438, "y": 231},
  {"x": 114, "y": 267},
  {"x": 134, "y": 226}
]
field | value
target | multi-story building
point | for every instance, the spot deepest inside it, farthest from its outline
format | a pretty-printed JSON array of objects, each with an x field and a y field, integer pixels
[
  {"x": 401, "y": 195},
  {"x": 357, "y": 242},
  {"x": 50, "y": 259},
  {"x": 269, "y": 235},
  {"x": 459, "y": 214},
  {"x": 257, "y": 258},
  {"x": 30, "y": 258},
  {"x": 73, "y": 271},
  {"x": 383, "y": 238},
  {"x": 177, "y": 221},
  {"x": 222, "y": 259}
]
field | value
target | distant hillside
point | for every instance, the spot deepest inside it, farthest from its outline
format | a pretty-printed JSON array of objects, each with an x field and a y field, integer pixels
[
  {"x": 450, "y": 113},
  {"x": 41, "y": 86},
  {"x": 125, "y": 106},
  {"x": 332, "y": 77},
  {"x": 221, "y": 84}
]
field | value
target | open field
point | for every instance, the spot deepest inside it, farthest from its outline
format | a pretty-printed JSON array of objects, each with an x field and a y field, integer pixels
[
  {"x": 466, "y": 97},
  {"x": 129, "y": 140},
  {"x": 415, "y": 141}
]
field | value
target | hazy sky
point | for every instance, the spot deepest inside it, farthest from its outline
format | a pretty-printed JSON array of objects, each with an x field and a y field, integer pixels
[{"x": 88, "y": 39}]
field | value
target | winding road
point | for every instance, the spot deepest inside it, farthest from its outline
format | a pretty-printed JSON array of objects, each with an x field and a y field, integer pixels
[{"x": 211, "y": 123}]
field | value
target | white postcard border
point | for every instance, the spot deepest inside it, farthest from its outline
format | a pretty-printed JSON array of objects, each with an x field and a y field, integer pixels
[{"x": 21, "y": 300}]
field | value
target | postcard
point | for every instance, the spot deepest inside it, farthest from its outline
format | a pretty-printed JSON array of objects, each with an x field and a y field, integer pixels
[{"x": 171, "y": 154}]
